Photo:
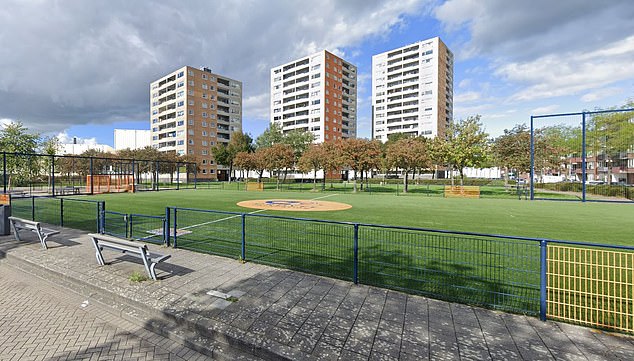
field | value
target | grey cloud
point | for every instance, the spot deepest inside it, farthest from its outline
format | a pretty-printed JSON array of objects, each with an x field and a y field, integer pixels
[{"x": 75, "y": 62}]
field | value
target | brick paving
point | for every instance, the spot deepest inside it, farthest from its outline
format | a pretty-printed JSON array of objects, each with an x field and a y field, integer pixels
[
  {"x": 41, "y": 322},
  {"x": 283, "y": 314}
]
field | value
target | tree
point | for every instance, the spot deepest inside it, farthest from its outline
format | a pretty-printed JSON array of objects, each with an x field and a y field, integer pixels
[
  {"x": 245, "y": 161},
  {"x": 359, "y": 155},
  {"x": 272, "y": 135},
  {"x": 50, "y": 146},
  {"x": 279, "y": 158},
  {"x": 408, "y": 154},
  {"x": 313, "y": 160},
  {"x": 512, "y": 150},
  {"x": 299, "y": 140},
  {"x": 15, "y": 138},
  {"x": 466, "y": 145},
  {"x": 609, "y": 136},
  {"x": 332, "y": 160}
]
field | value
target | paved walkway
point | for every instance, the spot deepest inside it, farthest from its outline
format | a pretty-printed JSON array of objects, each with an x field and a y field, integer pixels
[
  {"x": 40, "y": 321},
  {"x": 282, "y": 314}
]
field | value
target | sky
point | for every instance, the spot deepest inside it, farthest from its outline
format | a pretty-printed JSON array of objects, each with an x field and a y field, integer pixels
[{"x": 83, "y": 68}]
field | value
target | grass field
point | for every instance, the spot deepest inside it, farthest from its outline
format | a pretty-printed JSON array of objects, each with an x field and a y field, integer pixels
[{"x": 608, "y": 223}]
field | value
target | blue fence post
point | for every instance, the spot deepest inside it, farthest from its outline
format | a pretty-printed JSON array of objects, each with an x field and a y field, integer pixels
[
  {"x": 175, "y": 233},
  {"x": 583, "y": 157},
  {"x": 129, "y": 232},
  {"x": 166, "y": 227},
  {"x": 53, "y": 174},
  {"x": 32, "y": 208},
  {"x": 532, "y": 159},
  {"x": 355, "y": 261},
  {"x": 4, "y": 171},
  {"x": 101, "y": 216},
  {"x": 61, "y": 212},
  {"x": 244, "y": 238},
  {"x": 543, "y": 280},
  {"x": 92, "y": 178}
]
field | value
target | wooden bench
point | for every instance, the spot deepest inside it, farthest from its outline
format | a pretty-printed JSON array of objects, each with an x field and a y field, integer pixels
[
  {"x": 19, "y": 224},
  {"x": 150, "y": 260},
  {"x": 462, "y": 192}
]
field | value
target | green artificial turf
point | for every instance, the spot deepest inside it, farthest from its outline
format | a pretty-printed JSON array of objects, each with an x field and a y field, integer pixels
[{"x": 607, "y": 223}]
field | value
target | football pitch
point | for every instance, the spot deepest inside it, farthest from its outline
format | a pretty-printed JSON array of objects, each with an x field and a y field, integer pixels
[{"x": 606, "y": 223}]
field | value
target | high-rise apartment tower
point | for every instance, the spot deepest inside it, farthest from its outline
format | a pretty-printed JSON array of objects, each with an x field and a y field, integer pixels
[
  {"x": 317, "y": 93},
  {"x": 191, "y": 111},
  {"x": 412, "y": 90}
]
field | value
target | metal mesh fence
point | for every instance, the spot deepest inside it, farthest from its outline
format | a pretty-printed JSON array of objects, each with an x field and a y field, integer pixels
[
  {"x": 207, "y": 231},
  {"x": 494, "y": 272},
  {"x": 588, "y": 155},
  {"x": 67, "y": 212},
  {"x": 44, "y": 175},
  {"x": 324, "y": 248}
]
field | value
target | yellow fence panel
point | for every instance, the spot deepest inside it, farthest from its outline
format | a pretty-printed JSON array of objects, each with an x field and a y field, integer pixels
[{"x": 591, "y": 286}]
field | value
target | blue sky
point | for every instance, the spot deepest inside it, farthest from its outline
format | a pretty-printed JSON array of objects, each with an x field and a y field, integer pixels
[{"x": 83, "y": 68}]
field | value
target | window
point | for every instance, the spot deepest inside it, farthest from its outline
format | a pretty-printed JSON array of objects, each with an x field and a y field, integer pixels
[
  {"x": 180, "y": 113},
  {"x": 191, "y": 112},
  {"x": 190, "y": 122},
  {"x": 204, "y": 124},
  {"x": 204, "y": 160},
  {"x": 205, "y": 143},
  {"x": 190, "y": 92},
  {"x": 180, "y": 142},
  {"x": 315, "y": 102},
  {"x": 191, "y": 82},
  {"x": 180, "y": 94},
  {"x": 205, "y": 76},
  {"x": 190, "y": 142},
  {"x": 181, "y": 84},
  {"x": 154, "y": 137},
  {"x": 181, "y": 74},
  {"x": 204, "y": 171},
  {"x": 191, "y": 151},
  {"x": 204, "y": 133},
  {"x": 190, "y": 132},
  {"x": 191, "y": 102},
  {"x": 204, "y": 152},
  {"x": 204, "y": 105},
  {"x": 205, "y": 86},
  {"x": 204, "y": 95},
  {"x": 190, "y": 72},
  {"x": 204, "y": 114},
  {"x": 315, "y": 76},
  {"x": 180, "y": 122},
  {"x": 180, "y": 104}
]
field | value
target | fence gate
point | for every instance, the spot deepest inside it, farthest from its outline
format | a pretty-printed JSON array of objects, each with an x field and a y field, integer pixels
[{"x": 141, "y": 227}]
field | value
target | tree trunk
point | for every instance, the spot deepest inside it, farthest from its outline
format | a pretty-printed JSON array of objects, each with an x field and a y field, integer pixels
[
  {"x": 354, "y": 182},
  {"x": 461, "y": 177},
  {"x": 405, "y": 181},
  {"x": 315, "y": 180},
  {"x": 506, "y": 177}
]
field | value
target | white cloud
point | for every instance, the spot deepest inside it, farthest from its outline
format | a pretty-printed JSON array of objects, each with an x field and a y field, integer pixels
[
  {"x": 601, "y": 94},
  {"x": 545, "y": 109},
  {"x": 571, "y": 73},
  {"x": 64, "y": 138},
  {"x": 467, "y": 97}
]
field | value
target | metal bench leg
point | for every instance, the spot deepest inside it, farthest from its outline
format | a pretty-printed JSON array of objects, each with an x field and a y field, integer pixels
[
  {"x": 43, "y": 240},
  {"x": 99, "y": 258},
  {"x": 153, "y": 271},
  {"x": 16, "y": 234}
]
